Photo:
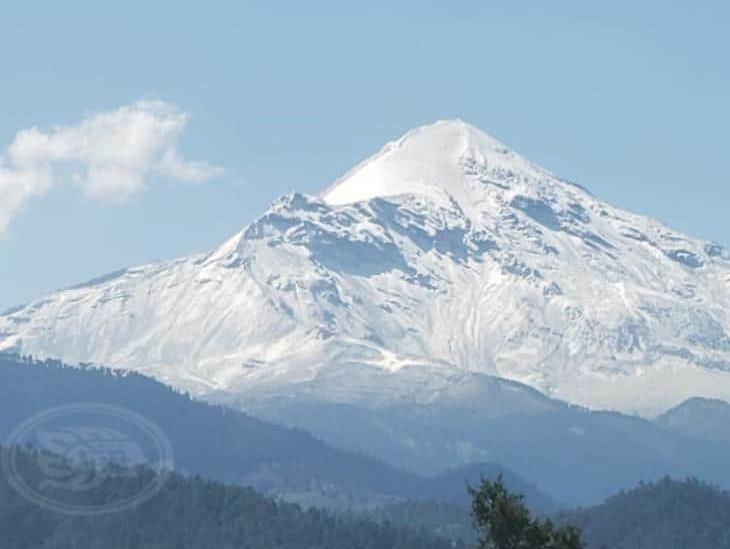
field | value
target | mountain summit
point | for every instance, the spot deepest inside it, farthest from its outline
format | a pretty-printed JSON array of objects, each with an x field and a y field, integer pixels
[
  {"x": 442, "y": 259},
  {"x": 429, "y": 161}
]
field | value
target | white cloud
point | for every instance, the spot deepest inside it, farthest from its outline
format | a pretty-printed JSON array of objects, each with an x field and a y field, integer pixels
[
  {"x": 18, "y": 186},
  {"x": 110, "y": 155}
]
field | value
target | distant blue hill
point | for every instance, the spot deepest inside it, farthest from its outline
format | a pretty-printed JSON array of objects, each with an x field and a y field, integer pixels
[{"x": 228, "y": 445}]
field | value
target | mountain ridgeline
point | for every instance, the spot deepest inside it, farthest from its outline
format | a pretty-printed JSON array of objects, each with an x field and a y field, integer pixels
[
  {"x": 228, "y": 445},
  {"x": 442, "y": 256},
  {"x": 584, "y": 456}
]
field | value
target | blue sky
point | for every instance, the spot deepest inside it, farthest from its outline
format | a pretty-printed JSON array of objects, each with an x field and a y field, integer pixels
[{"x": 628, "y": 98}]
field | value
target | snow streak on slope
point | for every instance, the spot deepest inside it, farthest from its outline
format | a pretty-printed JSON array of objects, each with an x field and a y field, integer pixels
[{"x": 443, "y": 256}]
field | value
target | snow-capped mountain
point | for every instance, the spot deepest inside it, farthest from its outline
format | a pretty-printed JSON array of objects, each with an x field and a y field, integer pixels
[{"x": 443, "y": 256}]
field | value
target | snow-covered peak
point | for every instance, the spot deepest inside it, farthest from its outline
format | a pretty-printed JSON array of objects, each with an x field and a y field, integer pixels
[
  {"x": 444, "y": 254},
  {"x": 431, "y": 160}
]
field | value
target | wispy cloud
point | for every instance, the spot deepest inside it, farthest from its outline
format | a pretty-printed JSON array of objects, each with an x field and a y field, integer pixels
[{"x": 110, "y": 155}]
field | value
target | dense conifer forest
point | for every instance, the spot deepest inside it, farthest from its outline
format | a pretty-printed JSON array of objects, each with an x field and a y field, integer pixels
[
  {"x": 664, "y": 515},
  {"x": 189, "y": 513},
  {"x": 668, "y": 514}
]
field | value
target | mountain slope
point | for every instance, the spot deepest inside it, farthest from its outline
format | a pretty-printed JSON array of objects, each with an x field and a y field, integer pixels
[
  {"x": 443, "y": 256},
  {"x": 666, "y": 514},
  {"x": 230, "y": 446},
  {"x": 700, "y": 418},
  {"x": 577, "y": 456}
]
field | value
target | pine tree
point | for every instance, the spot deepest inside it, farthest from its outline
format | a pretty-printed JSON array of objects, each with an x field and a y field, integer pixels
[{"x": 504, "y": 522}]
